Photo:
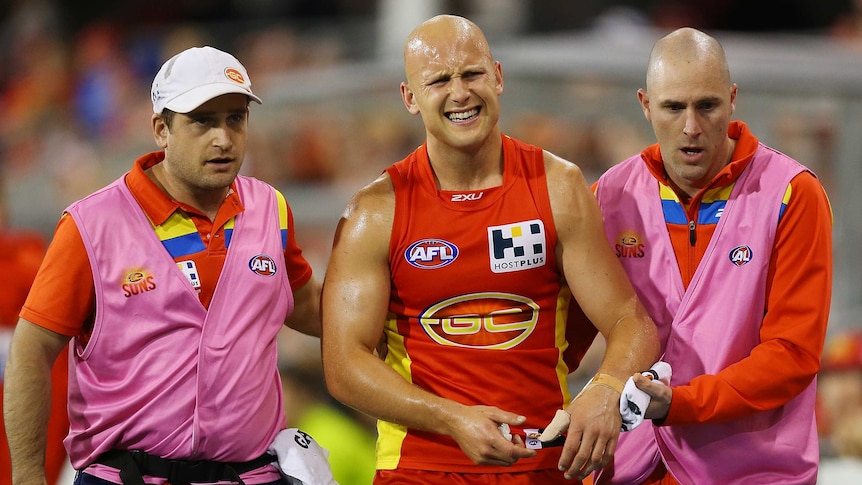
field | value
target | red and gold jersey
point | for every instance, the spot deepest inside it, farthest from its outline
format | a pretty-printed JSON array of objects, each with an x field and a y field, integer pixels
[{"x": 478, "y": 305}]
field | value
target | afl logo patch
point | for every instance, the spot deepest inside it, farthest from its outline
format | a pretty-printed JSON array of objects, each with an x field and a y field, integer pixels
[
  {"x": 740, "y": 255},
  {"x": 262, "y": 265},
  {"x": 431, "y": 253}
]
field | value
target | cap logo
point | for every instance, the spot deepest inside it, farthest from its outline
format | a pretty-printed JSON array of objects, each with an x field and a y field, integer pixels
[{"x": 234, "y": 75}]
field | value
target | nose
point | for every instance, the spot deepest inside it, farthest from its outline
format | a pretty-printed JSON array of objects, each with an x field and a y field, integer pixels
[
  {"x": 221, "y": 137},
  {"x": 458, "y": 89},
  {"x": 692, "y": 126}
]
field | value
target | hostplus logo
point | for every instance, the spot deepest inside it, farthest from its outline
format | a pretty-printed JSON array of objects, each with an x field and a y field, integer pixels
[{"x": 517, "y": 247}]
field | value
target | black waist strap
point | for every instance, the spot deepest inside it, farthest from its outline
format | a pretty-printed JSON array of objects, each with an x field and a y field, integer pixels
[{"x": 133, "y": 465}]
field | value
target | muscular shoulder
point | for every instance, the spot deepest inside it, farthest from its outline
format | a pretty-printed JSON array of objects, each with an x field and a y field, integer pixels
[
  {"x": 369, "y": 215},
  {"x": 567, "y": 186},
  {"x": 375, "y": 201}
]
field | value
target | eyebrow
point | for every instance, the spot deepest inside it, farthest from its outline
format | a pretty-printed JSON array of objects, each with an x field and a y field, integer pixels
[{"x": 706, "y": 99}]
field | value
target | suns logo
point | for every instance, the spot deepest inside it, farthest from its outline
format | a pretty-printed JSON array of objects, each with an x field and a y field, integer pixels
[
  {"x": 496, "y": 321},
  {"x": 629, "y": 245},
  {"x": 431, "y": 253},
  {"x": 262, "y": 265},
  {"x": 137, "y": 281},
  {"x": 740, "y": 255},
  {"x": 234, "y": 75}
]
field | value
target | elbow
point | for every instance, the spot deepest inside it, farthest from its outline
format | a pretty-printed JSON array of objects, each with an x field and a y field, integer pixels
[
  {"x": 650, "y": 342},
  {"x": 336, "y": 377}
]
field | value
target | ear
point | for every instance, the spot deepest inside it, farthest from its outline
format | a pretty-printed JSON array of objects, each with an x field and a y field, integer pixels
[
  {"x": 498, "y": 76},
  {"x": 733, "y": 89},
  {"x": 409, "y": 99},
  {"x": 643, "y": 99},
  {"x": 160, "y": 131}
]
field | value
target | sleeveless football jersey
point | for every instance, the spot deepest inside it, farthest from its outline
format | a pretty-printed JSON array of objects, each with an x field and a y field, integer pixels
[{"x": 478, "y": 305}]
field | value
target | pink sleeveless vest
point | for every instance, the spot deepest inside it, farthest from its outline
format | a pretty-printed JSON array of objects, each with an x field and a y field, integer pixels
[
  {"x": 160, "y": 373},
  {"x": 713, "y": 324}
]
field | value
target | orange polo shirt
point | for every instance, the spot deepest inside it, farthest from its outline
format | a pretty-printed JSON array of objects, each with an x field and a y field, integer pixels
[
  {"x": 63, "y": 297},
  {"x": 797, "y": 301}
]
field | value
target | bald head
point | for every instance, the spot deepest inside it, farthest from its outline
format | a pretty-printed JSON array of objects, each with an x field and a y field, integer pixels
[
  {"x": 440, "y": 35},
  {"x": 686, "y": 49}
]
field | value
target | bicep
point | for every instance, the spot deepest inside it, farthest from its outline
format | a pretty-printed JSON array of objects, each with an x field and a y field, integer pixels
[
  {"x": 594, "y": 275},
  {"x": 357, "y": 283},
  {"x": 36, "y": 344}
]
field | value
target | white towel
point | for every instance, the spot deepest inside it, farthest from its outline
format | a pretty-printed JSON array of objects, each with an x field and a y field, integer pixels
[
  {"x": 302, "y": 460},
  {"x": 634, "y": 402}
]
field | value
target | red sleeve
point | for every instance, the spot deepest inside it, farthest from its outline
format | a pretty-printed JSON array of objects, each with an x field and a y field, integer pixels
[
  {"x": 298, "y": 269},
  {"x": 62, "y": 298},
  {"x": 21, "y": 254},
  {"x": 21, "y": 261},
  {"x": 798, "y": 295}
]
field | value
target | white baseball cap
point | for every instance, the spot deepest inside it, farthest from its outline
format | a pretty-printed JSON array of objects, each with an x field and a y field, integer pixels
[{"x": 197, "y": 75}]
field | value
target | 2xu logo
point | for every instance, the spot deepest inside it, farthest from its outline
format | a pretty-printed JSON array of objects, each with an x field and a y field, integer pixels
[{"x": 487, "y": 320}]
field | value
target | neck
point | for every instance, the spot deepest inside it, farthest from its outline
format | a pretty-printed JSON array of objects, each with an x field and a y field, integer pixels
[
  {"x": 207, "y": 202},
  {"x": 459, "y": 170}
]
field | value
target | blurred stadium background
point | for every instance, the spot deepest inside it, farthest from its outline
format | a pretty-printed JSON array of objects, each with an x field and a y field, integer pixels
[
  {"x": 75, "y": 78},
  {"x": 75, "y": 110}
]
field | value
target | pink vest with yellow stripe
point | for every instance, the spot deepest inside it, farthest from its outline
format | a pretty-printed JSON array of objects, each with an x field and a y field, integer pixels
[
  {"x": 161, "y": 373},
  {"x": 709, "y": 326}
]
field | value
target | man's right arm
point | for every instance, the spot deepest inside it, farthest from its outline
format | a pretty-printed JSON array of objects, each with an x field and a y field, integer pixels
[
  {"x": 354, "y": 310},
  {"x": 27, "y": 398}
]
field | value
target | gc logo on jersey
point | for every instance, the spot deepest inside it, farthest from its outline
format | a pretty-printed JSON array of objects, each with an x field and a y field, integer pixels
[
  {"x": 262, "y": 265},
  {"x": 431, "y": 253},
  {"x": 488, "y": 320},
  {"x": 518, "y": 246},
  {"x": 740, "y": 255}
]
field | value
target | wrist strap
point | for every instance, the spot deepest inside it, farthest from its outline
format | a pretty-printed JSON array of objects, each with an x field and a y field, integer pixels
[{"x": 608, "y": 380}]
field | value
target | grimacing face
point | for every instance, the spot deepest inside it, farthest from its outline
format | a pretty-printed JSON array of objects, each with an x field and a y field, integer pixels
[
  {"x": 454, "y": 84},
  {"x": 689, "y": 106}
]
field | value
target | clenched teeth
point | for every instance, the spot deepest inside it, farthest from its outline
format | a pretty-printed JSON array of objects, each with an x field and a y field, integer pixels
[{"x": 464, "y": 115}]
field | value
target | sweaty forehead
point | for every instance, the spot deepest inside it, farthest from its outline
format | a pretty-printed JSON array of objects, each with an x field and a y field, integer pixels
[{"x": 425, "y": 55}]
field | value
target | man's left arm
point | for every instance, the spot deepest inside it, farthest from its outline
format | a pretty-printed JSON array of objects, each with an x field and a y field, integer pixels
[
  {"x": 793, "y": 330},
  {"x": 306, "y": 309},
  {"x": 306, "y": 288},
  {"x": 599, "y": 284}
]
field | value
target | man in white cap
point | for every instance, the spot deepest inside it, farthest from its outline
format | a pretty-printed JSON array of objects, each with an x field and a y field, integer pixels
[{"x": 170, "y": 285}]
